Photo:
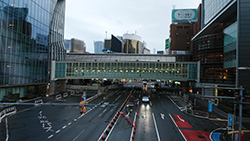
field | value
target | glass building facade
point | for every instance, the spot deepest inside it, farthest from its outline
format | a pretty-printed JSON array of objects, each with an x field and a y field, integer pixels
[
  {"x": 31, "y": 36},
  {"x": 213, "y": 7},
  {"x": 99, "y": 46},
  {"x": 230, "y": 38}
]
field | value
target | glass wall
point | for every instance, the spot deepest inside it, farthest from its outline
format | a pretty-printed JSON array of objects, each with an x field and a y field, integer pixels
[
  {"x": 143, "y": 70},
  {"x": 25, "y": 40},
  {"x": 230, "y": 37},
  {"x": 213, "y": 7}
]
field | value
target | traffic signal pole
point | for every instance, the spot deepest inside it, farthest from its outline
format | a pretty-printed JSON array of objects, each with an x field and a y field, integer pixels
[{"x": 240, "y": 111}]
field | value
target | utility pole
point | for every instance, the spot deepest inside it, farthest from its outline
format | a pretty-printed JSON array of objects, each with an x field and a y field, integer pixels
[{"x": 240, "y": 111}]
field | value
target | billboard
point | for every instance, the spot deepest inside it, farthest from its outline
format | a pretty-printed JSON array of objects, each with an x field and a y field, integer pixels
[{"x": 184, "y": 15}]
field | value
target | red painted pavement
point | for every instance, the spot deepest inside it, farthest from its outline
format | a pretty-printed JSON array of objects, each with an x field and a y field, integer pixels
[
  {"x": 180, "y": 122},
  {"x": 192, "y": 135}
]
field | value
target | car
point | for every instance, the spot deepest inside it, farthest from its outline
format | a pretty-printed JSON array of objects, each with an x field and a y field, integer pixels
[
  {"x": 153, "y": 90},
  {"x": 145, "y": 99}
]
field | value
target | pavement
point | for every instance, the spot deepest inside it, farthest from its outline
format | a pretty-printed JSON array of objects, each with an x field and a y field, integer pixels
[{"x": 217, "y": 114}]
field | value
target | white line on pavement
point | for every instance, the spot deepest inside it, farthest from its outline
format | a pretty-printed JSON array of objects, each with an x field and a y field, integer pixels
[
  {"x": 102, "y": 112},
  {"x": 7, "y": 130},
  {"x": 78, "y": 135},
  {"x": 58, "y": 131},
  {"x": 150, "y": 103},
  {"x": 177, "y": 127},
  {"x": 69, "y": 123},
  {"x": 64, "y": 127},
  {"x": 157, "y": 132},
  {"x": 50, "y": 136},
  {"x": 174, "y": 103}
]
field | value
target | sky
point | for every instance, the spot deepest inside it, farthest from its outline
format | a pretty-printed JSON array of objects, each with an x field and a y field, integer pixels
[{"x": 89, "y": 20}]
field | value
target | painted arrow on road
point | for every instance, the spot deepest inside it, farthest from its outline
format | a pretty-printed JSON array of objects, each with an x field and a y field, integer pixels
[{"x": 162, "y": 116}]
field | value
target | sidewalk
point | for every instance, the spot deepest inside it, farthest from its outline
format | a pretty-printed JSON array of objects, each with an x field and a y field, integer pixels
[{"x": 216, "y": 114}]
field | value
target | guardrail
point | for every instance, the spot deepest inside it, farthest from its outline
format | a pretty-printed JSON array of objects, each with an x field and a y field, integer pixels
[{"x": 7, "y": 111}]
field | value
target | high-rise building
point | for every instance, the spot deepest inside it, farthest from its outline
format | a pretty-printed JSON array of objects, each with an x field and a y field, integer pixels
[
  {"x": 107, "y": 44},
  {"x": 222, "y": 45},
  {"x": 67, "y": 44},
  {"x": 99, "y": 46},
  {"x": 116, "y": 44},
  {"x": 132, "y": 44},
  {"x": 31, "y": 36},
  {"x": 78, "y": 46}
]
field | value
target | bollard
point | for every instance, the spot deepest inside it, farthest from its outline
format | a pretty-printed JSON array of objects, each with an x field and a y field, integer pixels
[
  {"x": 134, "y": 132},
  {"x": 107, "y": 131},
  {"x": 110, "y": 126},
  {"x": 103, "y": 137}
]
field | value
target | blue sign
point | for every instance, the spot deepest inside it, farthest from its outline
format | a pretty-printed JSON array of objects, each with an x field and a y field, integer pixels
[
  {"x": 230, "y": 119},
  {"x": 210, "y": 107}
]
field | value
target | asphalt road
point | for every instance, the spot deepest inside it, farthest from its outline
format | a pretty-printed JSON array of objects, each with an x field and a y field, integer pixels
[{"x": 160, "y": 119}]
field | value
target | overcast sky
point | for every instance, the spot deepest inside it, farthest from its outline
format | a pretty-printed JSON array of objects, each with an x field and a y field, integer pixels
[{"x": 88, "y": 20}]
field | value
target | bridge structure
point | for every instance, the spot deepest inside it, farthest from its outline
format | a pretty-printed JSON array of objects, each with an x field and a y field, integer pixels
[{"x": 125, "y": 66}]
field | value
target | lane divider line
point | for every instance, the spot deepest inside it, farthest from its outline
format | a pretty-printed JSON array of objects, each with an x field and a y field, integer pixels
[
  {"x": 50, "y": 136},
  {"x": 58, "y": 131},
  {"x": 177, "y": 127},
  {"x": 157, "y": 132}
]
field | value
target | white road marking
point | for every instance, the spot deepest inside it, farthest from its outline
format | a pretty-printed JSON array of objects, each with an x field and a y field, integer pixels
[
  {"x": 162, "y": 115},
  {"x": 7, "y": 130},
  {"x": 158, "y": 136},
  {"x": 75, "y": 119},
  {"x": 177, "y": 127},
  {"x": 64, "y": 127},
  {"x": 78, "y": 135},
  {"x": 58, "y": 131},
  {"x": 150, "y": 103},
  {"x": 102, "y": 112},
  {"x": 174, "y": 103},
  {"x": 50, "y": 136},
  {"x": 69, "y": 123},
  {"x": 180, "y": 118}
]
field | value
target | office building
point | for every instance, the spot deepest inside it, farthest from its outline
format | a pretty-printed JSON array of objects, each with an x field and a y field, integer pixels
[
  {"x": 31, "y": 36},
  {"x": 78, "y": 46},
  {"x": 107, "y": 44},
  {"x": 67, "y": 44},
  {"x": 116, "y": 44},
  {"x": 184, "y": 26},
  {"x": 222, "y": 45},
  {"x": 132, "y": 44},
  {"x": 99, "y": 46}
]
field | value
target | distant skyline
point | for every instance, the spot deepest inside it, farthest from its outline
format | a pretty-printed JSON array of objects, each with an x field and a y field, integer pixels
[{"x": 90, "y": 20}]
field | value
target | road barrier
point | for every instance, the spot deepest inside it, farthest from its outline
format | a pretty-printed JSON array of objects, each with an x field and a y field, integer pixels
[
  {"x": 109, "y": 128},
  {"x": 65, "y": 94},
  {"x": 134, "y": 124},
  {"x": 38, "y": 102},
  {"x": 58, "y": 96},
  {"x": 7, "y": 111}
]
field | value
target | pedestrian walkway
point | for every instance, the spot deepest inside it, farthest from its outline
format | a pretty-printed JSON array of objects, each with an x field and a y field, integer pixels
[{"x": 216, "y": 114}]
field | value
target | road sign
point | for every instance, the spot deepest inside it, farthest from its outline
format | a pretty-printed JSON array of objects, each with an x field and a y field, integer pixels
[
  {"x": 230, "y": 119},
  {"x": 210, "y": 107}
]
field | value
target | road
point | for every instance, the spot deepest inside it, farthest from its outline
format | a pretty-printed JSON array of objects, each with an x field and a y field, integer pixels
[{"x": 157, "y": 120}]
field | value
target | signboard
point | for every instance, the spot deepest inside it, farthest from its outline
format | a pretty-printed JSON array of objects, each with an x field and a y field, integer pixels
[
  {"x": 230, "y": 119},
  {"x": 167, "y": 44},
  {"x": 184, "y": 15},
  {"x": 210, "y": 107}
]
